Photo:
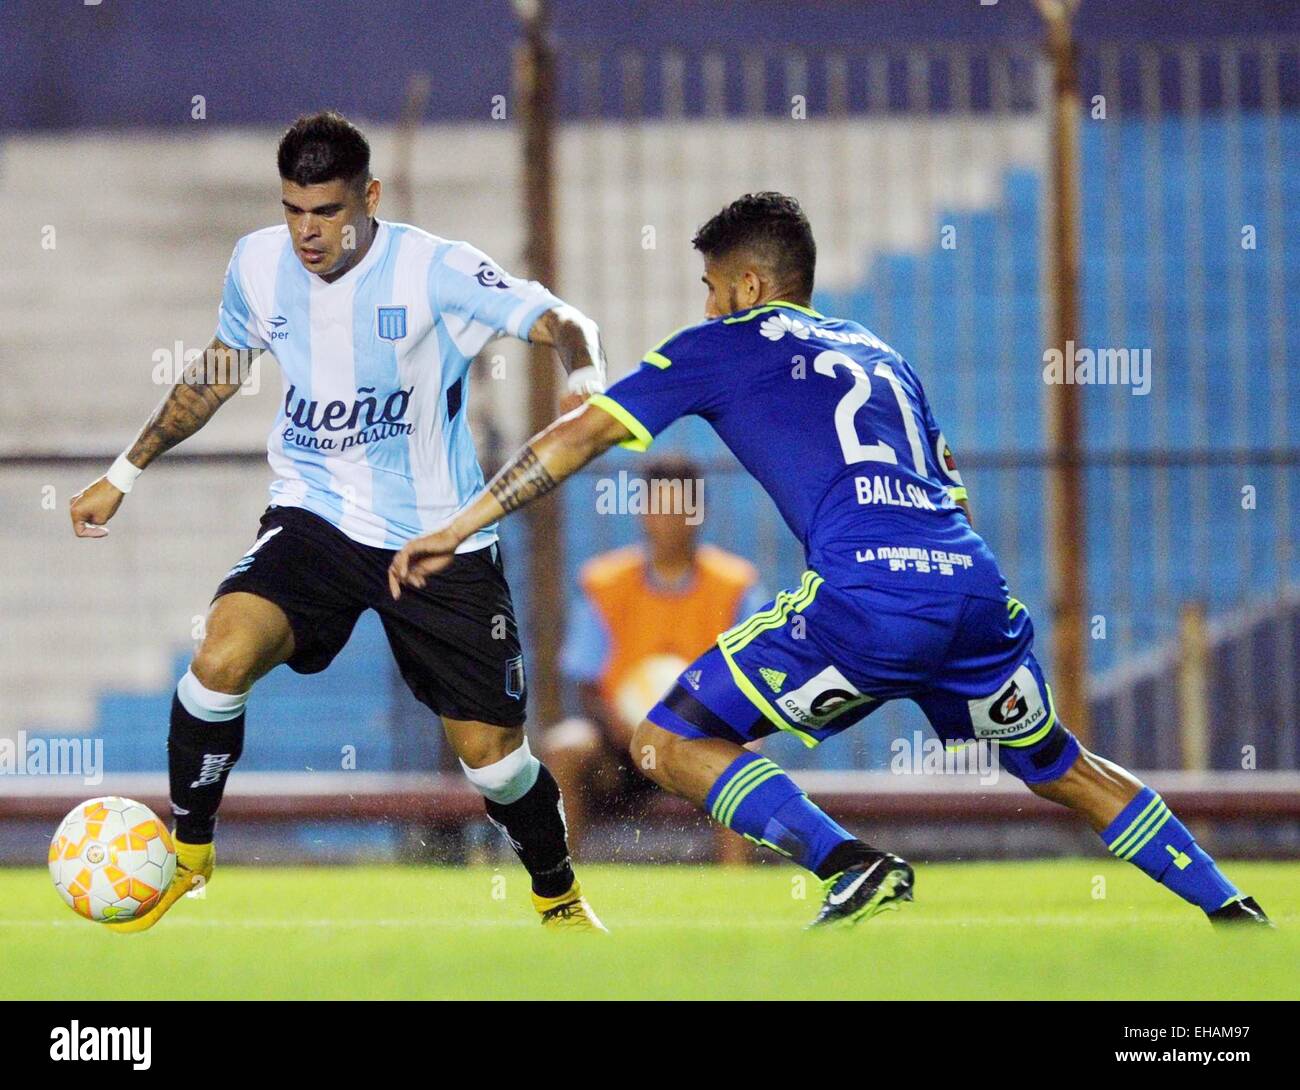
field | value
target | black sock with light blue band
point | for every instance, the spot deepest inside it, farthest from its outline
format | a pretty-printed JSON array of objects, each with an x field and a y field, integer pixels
[
  {"x": 205, "y": 739},
  {"x": 523, "y": 801},
  {"x": 755, "y": 798},
  {"x": 1148, "y": 835}
]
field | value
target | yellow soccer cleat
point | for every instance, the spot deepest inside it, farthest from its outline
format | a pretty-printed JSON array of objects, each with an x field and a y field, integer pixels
[
  {"x": 568, "y": 912},
  {"x": 194, "y": 863}
]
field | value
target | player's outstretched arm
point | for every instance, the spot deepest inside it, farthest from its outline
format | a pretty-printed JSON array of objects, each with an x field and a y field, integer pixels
[
  {"x": 203, "y": 388},
  {"x": 576, "y": 339},
  {"x": 548, "y": 458}
]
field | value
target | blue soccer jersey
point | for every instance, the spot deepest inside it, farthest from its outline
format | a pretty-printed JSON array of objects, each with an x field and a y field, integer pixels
[
  {"x": 835, "y": 426},
  {"x": 902, "y": 598}
]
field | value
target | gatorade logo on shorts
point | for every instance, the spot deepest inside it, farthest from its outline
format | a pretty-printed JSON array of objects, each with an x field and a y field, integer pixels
[
  {"x": 1016, "y": 708},
  {"x": 821, "y": 698},
  {"x": 1010, "y": 707}
]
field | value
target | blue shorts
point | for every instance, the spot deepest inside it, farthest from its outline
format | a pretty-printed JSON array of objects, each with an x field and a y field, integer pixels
[{"x": 819, "y": 659}]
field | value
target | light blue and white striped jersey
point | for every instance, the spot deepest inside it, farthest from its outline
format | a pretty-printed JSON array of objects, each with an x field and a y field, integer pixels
[{"x": 372, "y": 434}]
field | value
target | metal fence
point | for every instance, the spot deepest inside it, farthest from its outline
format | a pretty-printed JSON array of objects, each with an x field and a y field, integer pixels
[{"x": 923, "y": 171}]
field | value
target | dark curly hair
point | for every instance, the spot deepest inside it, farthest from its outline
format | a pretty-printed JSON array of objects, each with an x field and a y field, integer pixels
[
  {"x": 321, "y": 147},
  {"x": 770, "y": 225}
]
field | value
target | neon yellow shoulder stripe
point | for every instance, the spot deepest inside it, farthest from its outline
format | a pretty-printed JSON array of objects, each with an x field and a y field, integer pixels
[
  {"x": 796, "y": 306},
  {"x": 641, "y": 437},
  {"x": 776, "y": 305},
  {"x": 656, "y": 357}
]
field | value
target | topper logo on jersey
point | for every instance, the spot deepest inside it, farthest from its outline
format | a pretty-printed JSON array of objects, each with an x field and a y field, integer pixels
[
  {"x": 490, "y": 277},
  {"x": 1016, "y": 708},
  {"x": 276, "y": 330}
]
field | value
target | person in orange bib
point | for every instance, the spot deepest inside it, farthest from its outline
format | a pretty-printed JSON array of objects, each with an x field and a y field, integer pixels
[{"x": 642, "y": 614}]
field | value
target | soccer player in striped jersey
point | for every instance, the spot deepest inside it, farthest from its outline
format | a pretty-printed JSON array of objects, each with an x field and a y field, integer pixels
[
  {"x": 901, "y": 599},
  {"x": 374, "y": 325}
]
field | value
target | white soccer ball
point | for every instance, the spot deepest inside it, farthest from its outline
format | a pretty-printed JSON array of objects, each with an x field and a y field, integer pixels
[{"x": 111, "y": 858}]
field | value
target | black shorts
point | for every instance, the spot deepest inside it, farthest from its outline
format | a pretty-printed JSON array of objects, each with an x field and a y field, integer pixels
[{"x": 455, "y": 640}]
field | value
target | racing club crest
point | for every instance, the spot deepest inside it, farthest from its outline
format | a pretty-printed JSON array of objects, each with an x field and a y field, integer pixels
[{"x": 392, "y": 323}]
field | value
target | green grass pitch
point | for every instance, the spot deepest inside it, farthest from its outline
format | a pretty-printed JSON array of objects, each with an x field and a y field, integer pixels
[{"x": 995, "y": 930}]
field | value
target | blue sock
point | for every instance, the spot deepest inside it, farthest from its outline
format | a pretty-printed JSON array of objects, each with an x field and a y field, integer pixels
[
  {"x": 1148, "y": 835},
  {"x": 759, "y": 801}
]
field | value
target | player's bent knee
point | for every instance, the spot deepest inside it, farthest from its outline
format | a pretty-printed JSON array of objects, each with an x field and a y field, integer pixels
[
  {"x": 225, "y": 667},
  {"x": 206, "y": 704},
  {"x": 506, "y": 780},
  {"x": 481, "y": 744},
  {"x": 652, "y": 750}
]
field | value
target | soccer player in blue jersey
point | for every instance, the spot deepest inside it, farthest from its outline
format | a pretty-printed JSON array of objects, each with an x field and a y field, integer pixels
[
  {"x": 374, "y": 325},
  {"x": 901, "y": 597}
]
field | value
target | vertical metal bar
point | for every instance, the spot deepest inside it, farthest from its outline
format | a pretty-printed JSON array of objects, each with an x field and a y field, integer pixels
[
  {"x": 1189, "y": 61},
  {"x": 1230, "y": 69},
  {"x": 1067, "y": 558},
  {"x": 797, "y": 83},
  {"x": 1153, "y": 176},
  {"x": 1193, "y": 687},
  {"x": 1288, "y": 748},
  {"x": 714, "y": 68},
  {"x": 959, "y": 62},
  {"x": 840, "y": 153},
  {"x": 1117, "y": 332},
  {"x": 593, "y": 185},
  {"x": 754, "y": 67},
  {"x": 534, "y": 83},
  {"x": 678, "y": 197},
  {"x": 878, "y": 100},
  {"x": 414, "y": 102},
  {"x": 632, "y": 96},
  {"x": 918, "y": 102},
  {"x": 1008, "y": 480}
]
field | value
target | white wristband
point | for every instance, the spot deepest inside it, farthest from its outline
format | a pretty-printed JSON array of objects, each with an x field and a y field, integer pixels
[
  {"x": 586, "y": 380},
  {"x": 589, "y": 379},
  {"x": 122, "y": 474}
]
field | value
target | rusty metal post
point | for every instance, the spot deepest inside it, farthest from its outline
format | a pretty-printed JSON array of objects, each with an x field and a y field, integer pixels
[
  {"x": 534, "y": 78},
  {"x": 1066, "y": 515},
  {"x": 1193, "y": 687}
]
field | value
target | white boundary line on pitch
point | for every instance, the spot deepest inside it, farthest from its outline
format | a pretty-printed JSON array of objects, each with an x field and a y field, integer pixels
[{"x": 451, "y": 924}]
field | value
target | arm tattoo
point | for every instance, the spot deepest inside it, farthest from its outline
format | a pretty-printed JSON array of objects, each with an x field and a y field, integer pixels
[
  {"x": 188, "y": 405},
  {"x": 522, "y": 480}
]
